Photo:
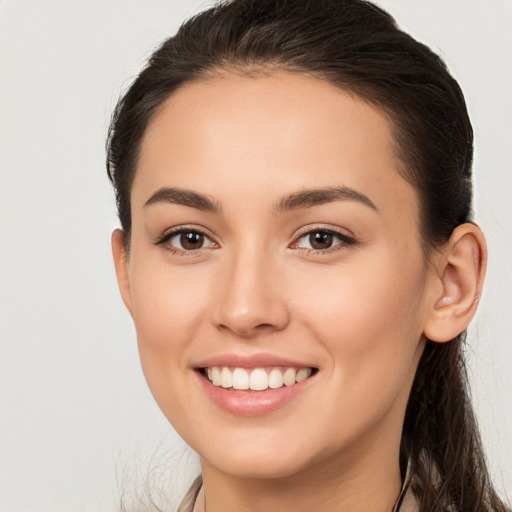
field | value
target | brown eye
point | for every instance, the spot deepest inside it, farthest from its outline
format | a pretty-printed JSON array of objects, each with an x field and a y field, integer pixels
[
  {"x": 191, "y": 240},
  {"x": 323, "y": 239},
  {"x": 187, "y": 240},
  {"x": 320, "y": 240}
]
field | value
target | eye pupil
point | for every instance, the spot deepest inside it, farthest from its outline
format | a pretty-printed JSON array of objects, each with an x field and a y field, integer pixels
[
  {"x": 192, "y": 240},
  {"x": 320, "y": 240}
]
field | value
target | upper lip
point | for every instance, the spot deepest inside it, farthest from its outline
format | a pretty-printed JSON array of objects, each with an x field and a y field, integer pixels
[{"x": 250, "y": 361}]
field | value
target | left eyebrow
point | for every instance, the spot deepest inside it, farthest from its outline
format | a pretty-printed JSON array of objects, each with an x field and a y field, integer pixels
[
  {"x": 314, "y": 197},
  {"x": 185, "y": 198}
]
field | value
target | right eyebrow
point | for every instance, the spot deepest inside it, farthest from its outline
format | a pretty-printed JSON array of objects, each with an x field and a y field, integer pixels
[
  {"x": 312, "y": 197},
  {"x": 184, "y": 197}
]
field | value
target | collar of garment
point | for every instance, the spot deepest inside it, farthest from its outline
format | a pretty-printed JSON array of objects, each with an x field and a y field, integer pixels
[{"x": 406, "y": 501}]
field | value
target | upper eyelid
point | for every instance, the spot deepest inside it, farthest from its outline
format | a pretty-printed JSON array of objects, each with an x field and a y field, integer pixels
[
  {"x": 173, "y": 231},
  {"x": 305, "y": 230},
  {"x": 335, "y": 230},
  {"x": 345, "y": 238}
]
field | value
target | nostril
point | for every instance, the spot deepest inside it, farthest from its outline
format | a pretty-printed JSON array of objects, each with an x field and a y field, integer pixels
[
  {"x": 248, "y": 303},
  {"x": 246, "y": 329}
]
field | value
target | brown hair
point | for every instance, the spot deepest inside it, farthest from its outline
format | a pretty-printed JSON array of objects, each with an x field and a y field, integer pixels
[{"x": 358, "y": 47}]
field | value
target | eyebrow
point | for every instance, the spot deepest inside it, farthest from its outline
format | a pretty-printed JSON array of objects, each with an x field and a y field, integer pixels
[
  {"x": 313, "y": 197},
  {"x": 295, "y": 201},
  {"x": 184, "y": 197}
]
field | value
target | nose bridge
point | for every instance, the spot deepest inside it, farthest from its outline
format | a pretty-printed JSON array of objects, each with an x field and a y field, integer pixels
[{"x": 251, "y": 295}]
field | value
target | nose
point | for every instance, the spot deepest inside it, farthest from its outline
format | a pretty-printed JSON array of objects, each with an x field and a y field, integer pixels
[{"x": 251, "y": 296}]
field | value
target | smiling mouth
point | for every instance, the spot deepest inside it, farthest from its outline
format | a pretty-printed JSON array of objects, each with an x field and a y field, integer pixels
[{"x": 255, "y": 379}]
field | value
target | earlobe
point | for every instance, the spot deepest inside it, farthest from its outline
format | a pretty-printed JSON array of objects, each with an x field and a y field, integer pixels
[
  {"x": 460, "y": 269},
  {"x": 121, "y": 265}
]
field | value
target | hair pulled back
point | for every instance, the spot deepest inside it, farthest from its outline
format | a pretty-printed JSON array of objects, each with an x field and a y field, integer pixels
[{"x": 358, "y": 47}]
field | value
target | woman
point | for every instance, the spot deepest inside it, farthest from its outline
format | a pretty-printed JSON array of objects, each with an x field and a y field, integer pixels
[{"x": 297, "y": 253}]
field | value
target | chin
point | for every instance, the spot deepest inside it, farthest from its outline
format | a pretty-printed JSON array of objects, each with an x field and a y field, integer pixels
[
  {"x": 257, "y": 466},
  {"x": 263, "y": 459}
]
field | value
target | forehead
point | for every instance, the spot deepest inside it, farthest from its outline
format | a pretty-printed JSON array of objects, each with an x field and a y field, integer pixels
[{"x": 269, "y": 133}]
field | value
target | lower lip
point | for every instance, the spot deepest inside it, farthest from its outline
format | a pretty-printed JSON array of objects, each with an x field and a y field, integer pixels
[{"x": 252, "y": 403}]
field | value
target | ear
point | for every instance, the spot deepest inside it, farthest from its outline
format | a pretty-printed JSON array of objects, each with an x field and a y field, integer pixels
[
  {"x": 460, "y": 271},
  {"x": 121, "y": 264}
]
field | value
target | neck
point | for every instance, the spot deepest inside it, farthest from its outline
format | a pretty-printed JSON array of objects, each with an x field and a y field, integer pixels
[{"x": 354, "y": 482}]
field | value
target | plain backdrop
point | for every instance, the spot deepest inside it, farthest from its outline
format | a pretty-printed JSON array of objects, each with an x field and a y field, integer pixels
[{"x": 78, "y": 429}]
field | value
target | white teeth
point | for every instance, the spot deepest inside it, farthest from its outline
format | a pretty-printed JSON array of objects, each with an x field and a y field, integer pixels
[
  {"x": 226, "y": 378},
  {"x": 258, "y": 379},
  {"x": 303, "y": 374},
  {"x": 240, "y": 379},
  {"x": 289, "y": 377},
  {"x": 275, "y": 379},
  {"x": 216, "y": 376}
]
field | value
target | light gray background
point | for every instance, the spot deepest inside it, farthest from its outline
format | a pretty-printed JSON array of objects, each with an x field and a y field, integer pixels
[{"x": 77, "y": 424}]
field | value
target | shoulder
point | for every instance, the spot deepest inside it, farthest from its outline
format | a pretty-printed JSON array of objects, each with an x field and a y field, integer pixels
[{"x": 192, "y": 502}]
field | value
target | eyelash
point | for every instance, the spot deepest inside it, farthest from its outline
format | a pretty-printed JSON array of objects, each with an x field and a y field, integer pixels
[
  {"x": 169, "y": 235},
  {"x": 344, "y": 240}
]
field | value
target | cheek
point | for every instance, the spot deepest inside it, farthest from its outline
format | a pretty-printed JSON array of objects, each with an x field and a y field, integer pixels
[
  {"x": 167, "y": 301},
  {"x": 168, "y": 308},
  {"x": 365, "y": 296},
  {"x": 368, "y": 317}
]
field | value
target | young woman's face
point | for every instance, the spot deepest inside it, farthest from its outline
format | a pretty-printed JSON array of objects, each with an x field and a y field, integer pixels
[{"x": 274, "y": 240}]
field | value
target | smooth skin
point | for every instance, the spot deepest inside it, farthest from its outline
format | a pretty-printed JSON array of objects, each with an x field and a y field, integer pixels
[{"x": 357, "y": 308}]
